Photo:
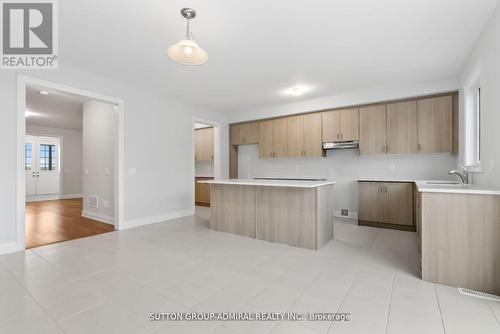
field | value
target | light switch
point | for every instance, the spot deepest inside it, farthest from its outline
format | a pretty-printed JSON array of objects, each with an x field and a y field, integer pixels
[
  {"x": 86, "y": 172},
  {"x": 132, "y": 171}
]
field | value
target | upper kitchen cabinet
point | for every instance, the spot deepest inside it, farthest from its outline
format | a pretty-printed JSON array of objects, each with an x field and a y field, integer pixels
[
  {"x": 245, "y": 133},
  {"x": 273, "y": 138},
  {"x": 373, "y": 129},
  {"x": 435, "y": 124},
  {"x": 312, "y": 135},
  {"x": 304, "y": 136},
  {"x": 340, "y": 125},
  {"x": 402, "y": 127},
  {"x": 204, "y": 144}
]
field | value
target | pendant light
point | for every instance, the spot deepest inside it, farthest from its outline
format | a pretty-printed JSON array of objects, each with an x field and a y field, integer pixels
[{"x": 187, "y": 51}]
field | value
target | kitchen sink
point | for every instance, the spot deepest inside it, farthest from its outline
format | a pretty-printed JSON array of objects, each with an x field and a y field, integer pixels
[{"x": 444, "y": 183}]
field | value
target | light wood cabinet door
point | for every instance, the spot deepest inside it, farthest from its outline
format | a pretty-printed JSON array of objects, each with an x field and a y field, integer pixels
[
  {"x": 208, "y": 143},
  {"x": 295, "y": 136},
  {"x": 198, "y": 145},
  {"x": 435, "y": 125},
  {"x": 204, "y": 144},
  {"x": 279, "y": 135},
  {"x": 202, "y": 191},
  {"x": 373, "y": 130},
  {"x": 266, "y": 139},
  {"x": 312, "y": 135},
  {"x": 371, "y": 202},
  {"x": 398, "y": 203},
  {"x": 402, "y": 127},
  {"x": 245, "y": 133},
  {"x": 349, "y": 124},
  {"x": 330, "y": 123}
]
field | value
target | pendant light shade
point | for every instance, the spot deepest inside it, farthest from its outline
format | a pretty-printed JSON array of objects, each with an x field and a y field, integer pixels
[{"x": 187, "y": 51}]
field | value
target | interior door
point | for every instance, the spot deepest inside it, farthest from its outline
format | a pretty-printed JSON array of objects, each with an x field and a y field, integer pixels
[
  {"x": 47, "y": 152},
  {"x": 29, "y": 165}
]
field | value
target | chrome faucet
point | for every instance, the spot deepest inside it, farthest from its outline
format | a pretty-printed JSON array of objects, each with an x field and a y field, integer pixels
[{"x": 461, "y": 171}]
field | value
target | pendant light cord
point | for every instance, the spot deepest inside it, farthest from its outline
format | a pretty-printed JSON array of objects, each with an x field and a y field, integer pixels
[{"x": 188, "y": 32}]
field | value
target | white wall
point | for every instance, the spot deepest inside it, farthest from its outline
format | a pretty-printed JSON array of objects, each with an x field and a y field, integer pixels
[
  {"x": 345, "y": 167},
  {"x": 100, "y": 125},
  {"x": 204, "y": 168},
  {"x": 71, "y": 164},
  {"x": 158, "y": 143},
  {"x": 486, "y": 57},
  {"x": 364, "y": 96}
]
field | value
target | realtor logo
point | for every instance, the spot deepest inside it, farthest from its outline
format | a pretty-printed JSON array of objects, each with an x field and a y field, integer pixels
[{"x": 29, "y": 34}]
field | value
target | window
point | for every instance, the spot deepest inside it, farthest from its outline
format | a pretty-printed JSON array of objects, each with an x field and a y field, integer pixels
[
  {"x": 28, "y": 156},
  {"x": 47, "y": 157},
  {"x": 473, "y": 127}
]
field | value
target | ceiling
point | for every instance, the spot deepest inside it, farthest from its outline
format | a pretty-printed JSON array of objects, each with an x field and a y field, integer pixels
[
  {"x": 259, "y": 48},
  {"x": 58, "y": 109}
]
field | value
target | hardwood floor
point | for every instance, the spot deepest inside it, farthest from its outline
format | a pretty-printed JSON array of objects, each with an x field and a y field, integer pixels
[{"x": 48, "y": 222}]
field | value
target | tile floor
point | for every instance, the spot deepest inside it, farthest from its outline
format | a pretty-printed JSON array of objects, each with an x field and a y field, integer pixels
[{"x": 110, "y": 283}]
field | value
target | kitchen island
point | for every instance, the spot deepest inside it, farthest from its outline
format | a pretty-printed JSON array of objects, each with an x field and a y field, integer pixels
[{"x": 294, "y": 212}]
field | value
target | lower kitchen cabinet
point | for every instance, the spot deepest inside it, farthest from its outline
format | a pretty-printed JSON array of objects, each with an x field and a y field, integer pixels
[
  {"x": 202, "y": 191},
  {"x": 386, "y": 204}
]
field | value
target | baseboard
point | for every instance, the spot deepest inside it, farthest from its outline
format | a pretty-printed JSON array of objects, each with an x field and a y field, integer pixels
[
  {"x": 8, "y": 247},
  {"x": 71, "y": 196},
  {"x": 352, "y": 215},
  {"x": 39, "y": 198},
  {"x": 99, "y": 217},
  {"x": 155, "y": 219}
]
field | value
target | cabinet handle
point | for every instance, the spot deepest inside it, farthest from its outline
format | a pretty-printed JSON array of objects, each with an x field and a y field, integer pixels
[
  {"x": 419, "y": 147},
  {"x": 341, "y": 136},
  {"x": 381, "y": 189},
  {"x": 338, "y": 136},
  {"x": 387, "y": 148}
]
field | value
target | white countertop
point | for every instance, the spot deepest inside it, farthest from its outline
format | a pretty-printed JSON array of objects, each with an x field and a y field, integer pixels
[
  {"x": 204, "y": 176},
  {"x": 426, "y": 186},
  {"x": 271, "y": 183}
]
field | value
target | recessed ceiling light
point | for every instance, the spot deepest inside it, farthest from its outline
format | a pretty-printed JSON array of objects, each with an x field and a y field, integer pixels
[
  {"x": 297, "y": 90},
  {"x": 43, "y": 92}
]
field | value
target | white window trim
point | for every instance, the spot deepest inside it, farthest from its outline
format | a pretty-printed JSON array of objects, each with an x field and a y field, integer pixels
[{"x": 470, "y": 100}]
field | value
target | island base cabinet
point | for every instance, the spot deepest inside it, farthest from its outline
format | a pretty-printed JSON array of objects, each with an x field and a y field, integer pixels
[
  {"x": 459, "y": 236},
  {"x": 233, "y": 209},
  {"x": 299, "y": 217}
]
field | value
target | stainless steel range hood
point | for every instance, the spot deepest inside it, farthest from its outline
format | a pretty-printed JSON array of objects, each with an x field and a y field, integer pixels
[{"x": 337, "y": 145}]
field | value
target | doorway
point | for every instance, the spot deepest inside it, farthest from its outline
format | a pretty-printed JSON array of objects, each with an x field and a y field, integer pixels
[
  {"x": 64, "y": 193},
  {"x": 42, "y": 168}
]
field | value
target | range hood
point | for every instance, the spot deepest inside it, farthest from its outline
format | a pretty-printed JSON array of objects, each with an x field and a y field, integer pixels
[{"x": 337, "y": 145}]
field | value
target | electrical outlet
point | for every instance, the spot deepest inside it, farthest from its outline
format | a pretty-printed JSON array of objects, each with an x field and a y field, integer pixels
[{"x": 344, "y": 212}]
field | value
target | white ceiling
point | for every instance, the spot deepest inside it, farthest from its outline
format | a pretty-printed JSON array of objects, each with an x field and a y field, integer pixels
[
  {"x": 259, "y": 48},
  {"x": 58, "y": 109}
]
